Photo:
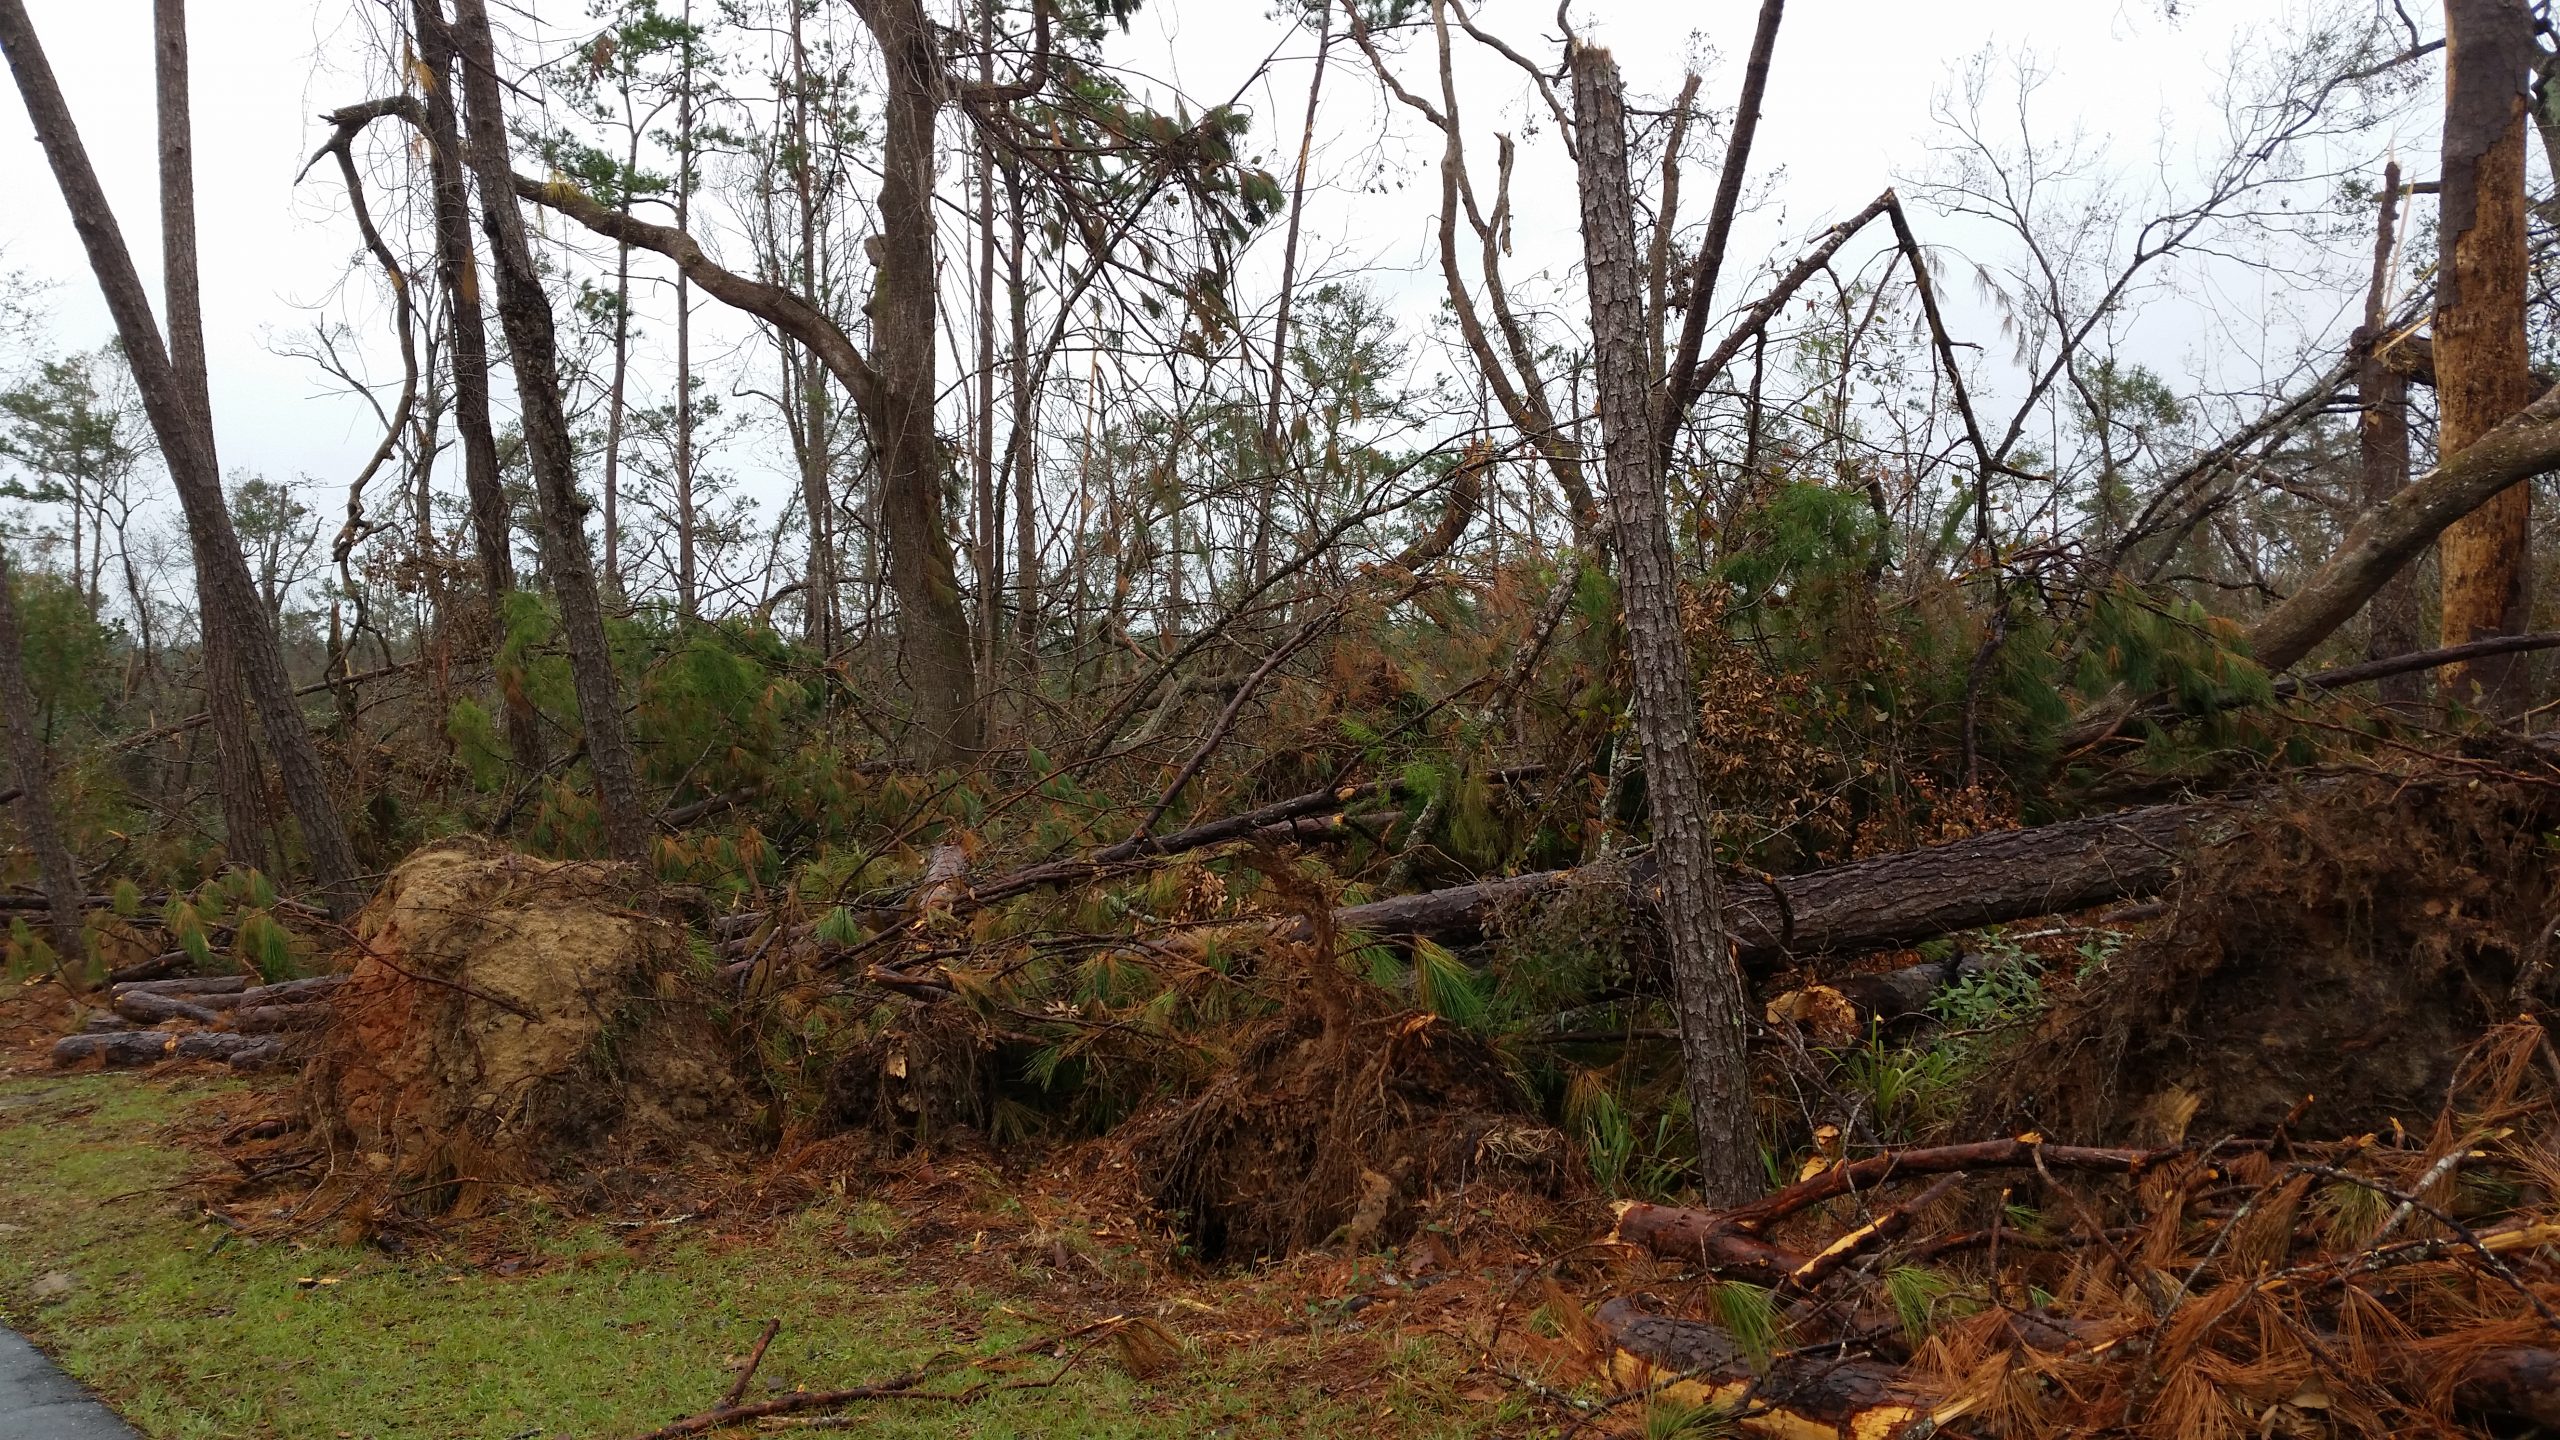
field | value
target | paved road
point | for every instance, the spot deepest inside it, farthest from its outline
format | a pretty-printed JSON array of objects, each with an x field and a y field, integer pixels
[{"x": 39, "y": 1402}]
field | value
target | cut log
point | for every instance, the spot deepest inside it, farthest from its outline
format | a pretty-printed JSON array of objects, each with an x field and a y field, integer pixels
[
  {"x": 265, "y": 1055},
  {"x": 146, "y": 1007},
  {"x": 268, "y": 1019},
  {"x": 168, "y": 962},
  {"x": 1794, "y": 1397},
  {"x": 283, "y": 992},
  {"x": 186, "y": 985},
  {"x": 150, "y": 1047},
  {"x": 217, "y": 1045},
  {"x": 1889, "y": 900},
  {"x": 114, "y": 1048}
]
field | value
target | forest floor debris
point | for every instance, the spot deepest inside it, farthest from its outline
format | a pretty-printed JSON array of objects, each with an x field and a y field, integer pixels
[{"x": 1361, "y": 1159}]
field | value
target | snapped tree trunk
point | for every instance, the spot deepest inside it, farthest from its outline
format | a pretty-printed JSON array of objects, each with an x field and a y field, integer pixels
[
  {"x": 2382, "y": 438},
  {"x": 1707, "y": 990},
  {"x": 525, "y": 313},
  {"x": 35, "y": 790},
  {"x": 2483, "y": 374},
  {"x": 492, "y": 537},
  {"x": 185, "y": 434}
]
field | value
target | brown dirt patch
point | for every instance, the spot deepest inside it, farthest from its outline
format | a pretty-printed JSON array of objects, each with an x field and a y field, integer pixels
[
  {"x": 505, "y": 1014},
  {"x": 2348, "y": 945}
]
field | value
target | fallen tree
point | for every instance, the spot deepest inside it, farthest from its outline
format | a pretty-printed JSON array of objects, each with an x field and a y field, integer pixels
[{"x": 1888, "y": 900}]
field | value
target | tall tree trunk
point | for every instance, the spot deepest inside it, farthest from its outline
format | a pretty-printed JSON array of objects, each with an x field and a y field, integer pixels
[
  {"x": 35, "y": 791},
  {"x": 816, "y": 495},
  {"x": 492, "y": 537},
  {"x": 2382, "y": 438},
  {"x": 688, "y": 575},
  {"x": 1274, "y": 452},
  {"x": 240, "y": 780},
  {"x": 990, "y": 536},
  {"x": 2483, "y": 374},
  {"x": 1019, "y": 466},
  {"x": 525, "y": 313},
  {"x": 933, "y": 620},
  {"x": 229, "y": 599},
  {"x": 614, "y": 399},
  {"x": 1707, "y": 990}
]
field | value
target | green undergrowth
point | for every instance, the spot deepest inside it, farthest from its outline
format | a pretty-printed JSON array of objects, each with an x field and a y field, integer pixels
[{"x": 191, "y": 1337}]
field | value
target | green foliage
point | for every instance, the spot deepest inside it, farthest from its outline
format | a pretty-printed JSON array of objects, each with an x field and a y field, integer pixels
[
  {"x": 1908, "y": 1090},
  {"x": 1593, "y": 1116},
  {"x": 2009, "y": 985},
  {"x": 1750, "y": 1315},
  {"x": 1917, "y": 1294},
  {"x": 1444, "y": 985},
  {"x": 475, "y": 743},
  {"x": 66, "y": 648},
  {"x": 2172, "y": 646},
  {"x": 839, "y": 927},
  {"x": 266, "y": 946},
  {"x": 1801, "y": 548}
]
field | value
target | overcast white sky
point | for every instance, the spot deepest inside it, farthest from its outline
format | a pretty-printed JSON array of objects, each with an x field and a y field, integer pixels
[{"x": 1849, "y": 111}]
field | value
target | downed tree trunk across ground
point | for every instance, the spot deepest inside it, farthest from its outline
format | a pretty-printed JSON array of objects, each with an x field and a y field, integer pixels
[
  {"x": 1791, "y": 1397},
  {"x": 1889, "y": 900}
]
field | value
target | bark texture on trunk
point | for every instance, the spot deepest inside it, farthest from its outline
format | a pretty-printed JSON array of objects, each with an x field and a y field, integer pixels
[
  {"x": 1707, "y": 990},
  {"x": 230, "y": 598},
  {"x": 35, "y": 789},
  {"x": 492, "y": 536},
  {"x": 1884, "y": 901},
  {"x": 2483, "y": 375},
  {"x": 933, "y": 620},
  {"x": 2382, "y": 440},
  {"x": 525, "y": 313},
  {"x": 240, "y": 780}
]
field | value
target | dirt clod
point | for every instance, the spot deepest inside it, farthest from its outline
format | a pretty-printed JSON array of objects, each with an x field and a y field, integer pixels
[{"x": 505, "y": 1014}]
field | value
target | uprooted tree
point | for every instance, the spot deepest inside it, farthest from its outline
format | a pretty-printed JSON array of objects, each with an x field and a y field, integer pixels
[{"x": 1720, "y": 732}]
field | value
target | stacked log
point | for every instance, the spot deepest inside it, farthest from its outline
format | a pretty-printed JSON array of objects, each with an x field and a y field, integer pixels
[{"x": 244, "y": 1026}]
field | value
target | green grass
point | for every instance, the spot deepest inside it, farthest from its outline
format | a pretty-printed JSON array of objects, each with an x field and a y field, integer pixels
[{"x": 191, "y": 1338}]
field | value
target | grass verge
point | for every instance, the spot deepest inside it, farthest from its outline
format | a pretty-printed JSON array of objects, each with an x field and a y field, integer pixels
[{"x": 190, "y": 1334}]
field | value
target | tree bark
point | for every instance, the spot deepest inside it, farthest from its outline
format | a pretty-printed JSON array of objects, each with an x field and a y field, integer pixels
[
  {"x": 1707, "y": 990},
  {"x": 1274, "y": 450},
  {"x": 35, "y": 792},
  {"x": 240, "y": 782},
  {"x": 1885, "y": 901},
  {"x": 1686, "y": 379},
  {"x": 1697, "y": 1364},
  {"x": 525, "y": 313},
  {"x": 2483, "y": 374},
  {"x": 933, "y": 620},
  {"x": 817, "y": 496},
  {"x": 492, "y": 534},
  {"x": 229, "y": 597},
  {"x": 688, "y": 526},
  {"x": 2382, "y": 440}
]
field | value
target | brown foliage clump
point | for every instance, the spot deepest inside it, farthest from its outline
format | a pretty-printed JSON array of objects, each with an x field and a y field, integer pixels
[
  {"x": 505, "y": 1014},
  {"x": 1343, "y": 1121}
]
